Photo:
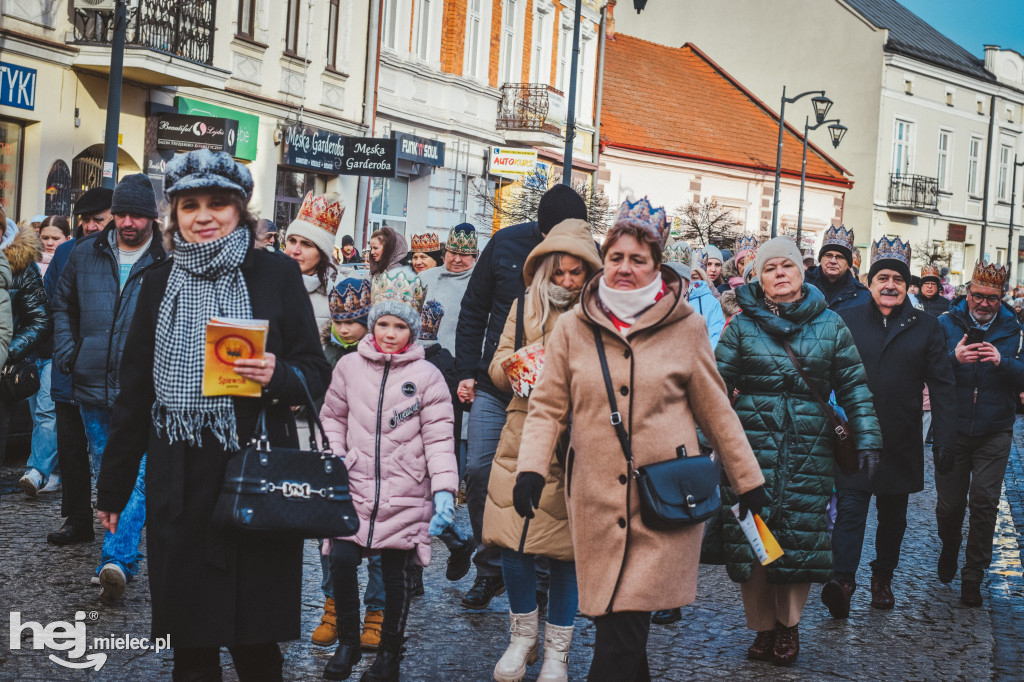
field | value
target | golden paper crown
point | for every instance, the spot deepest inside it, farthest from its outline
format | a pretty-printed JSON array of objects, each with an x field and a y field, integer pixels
[
  {"x": 462, "y": 239},
  {"x": 931, "y": 271},
  {"x": 398, "y": 288},
  {"x": 989, "y": 275},
  {"x": 856, "y": 258},
  {"x": 324, "y": 211},
  {"x": 425, "y": 243}
]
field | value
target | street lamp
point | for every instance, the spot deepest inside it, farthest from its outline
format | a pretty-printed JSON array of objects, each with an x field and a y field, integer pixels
[
  {"x": 836, "y": 131},
  {"x": 821, "y": 106},
  {"x": 1013, "y": 205}
]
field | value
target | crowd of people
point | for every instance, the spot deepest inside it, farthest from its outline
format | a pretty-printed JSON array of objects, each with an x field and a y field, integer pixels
[{"x": 540, "y": 380}]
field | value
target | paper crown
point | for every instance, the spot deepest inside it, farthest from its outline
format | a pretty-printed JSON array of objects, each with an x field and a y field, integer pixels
[
  {"x": 523, "y": 369},
  {"x": 678, "y": 252},
  {"x": 747, "y": 242},
  {"x": 321, "y": 212},
  {"x": 931, "y": 271},
  {"x": 430, "y": 320},
  {"x": 856, "y": 258},
  {"x": 989, "y": 275},
  {"x": 350, "y": 300},
  {"x": 837, "y": 236},
  {"x": 397, "y": 288},
  {"x": 642, "y": 215},
  {"x": 425, "y": 243},
  {"x": 891, "y": 249},
  {"x": 462, "y": 241}
]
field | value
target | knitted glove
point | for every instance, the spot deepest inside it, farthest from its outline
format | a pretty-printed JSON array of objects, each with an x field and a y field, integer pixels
[
  {"x": 526, "y": 493},
  {"x": 753, "y": 501},
  {"x": 444, "y": 512}
]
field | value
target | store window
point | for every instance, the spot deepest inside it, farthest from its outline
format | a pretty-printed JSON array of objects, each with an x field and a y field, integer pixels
[
  {"x": 389, "y": 203},
  {"x": 291, "y": 187},
  {"x": 11, "y": 136}
]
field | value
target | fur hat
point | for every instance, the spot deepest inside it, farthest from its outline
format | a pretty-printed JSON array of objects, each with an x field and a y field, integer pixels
[
  {"x": 203, "y": 169},
  {"x": 318, "y": 221},
  {"x": 350, "y": 300},
  {"x": 779, "y": 247},
  {"x": 890, "y": 254},
  {"x": 396, "y": 293},
  {"x": 134, "y": 195}
]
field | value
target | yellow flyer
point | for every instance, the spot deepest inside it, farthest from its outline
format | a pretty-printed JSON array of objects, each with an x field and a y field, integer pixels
[{"x": 229, "y": 339}]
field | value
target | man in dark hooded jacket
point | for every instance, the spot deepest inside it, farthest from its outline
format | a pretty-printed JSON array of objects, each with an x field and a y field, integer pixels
[{"x": 833, "y": 276}]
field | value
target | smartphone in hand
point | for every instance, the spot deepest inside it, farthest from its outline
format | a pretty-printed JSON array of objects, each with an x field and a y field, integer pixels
[{"x": 975, "y": 335}]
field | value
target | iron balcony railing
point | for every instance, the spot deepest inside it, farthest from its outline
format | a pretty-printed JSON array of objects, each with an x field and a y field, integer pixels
[
  {"x": 182, "y": 29},
  {"x": 918, "y": 192},
  {"x": 529, "y": 106}
]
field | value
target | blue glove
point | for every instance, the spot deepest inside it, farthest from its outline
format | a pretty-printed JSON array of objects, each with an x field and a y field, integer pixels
[{"x": 444, "y": 512}]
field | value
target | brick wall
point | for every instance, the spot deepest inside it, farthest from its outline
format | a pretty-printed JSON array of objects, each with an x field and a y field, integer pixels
[
  {"x": 527, "y": 41},
  {"x": 554, "y": 42},
  {"x": 453, "y": 36},
  {"x": 493, "y": 64}
]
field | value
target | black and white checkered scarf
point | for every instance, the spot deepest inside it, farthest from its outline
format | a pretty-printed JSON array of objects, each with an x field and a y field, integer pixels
[{"x": 205, "y": 282}]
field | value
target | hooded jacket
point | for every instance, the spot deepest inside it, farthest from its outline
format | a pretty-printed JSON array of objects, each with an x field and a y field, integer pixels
[
  {"x": 390, "y": 416},
  {"x": 705, "y": 303},
  {"x": 33, "y": 326}
]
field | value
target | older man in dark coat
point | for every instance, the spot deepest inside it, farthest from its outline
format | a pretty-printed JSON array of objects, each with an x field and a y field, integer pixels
[{"x": 902, "y": 349}]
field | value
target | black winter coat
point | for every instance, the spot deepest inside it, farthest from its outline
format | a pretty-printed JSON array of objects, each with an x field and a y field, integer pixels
[
  {"x": 210, "y": 587},
  {"x": 496, "y": 283},
  {"x": 92, "y": 314},
  {"x": 934, "y": 306},
  {"x": 33, "y": 326},
  {"x": 848, "y": 292},
  {"x": 900, "y": 356}
]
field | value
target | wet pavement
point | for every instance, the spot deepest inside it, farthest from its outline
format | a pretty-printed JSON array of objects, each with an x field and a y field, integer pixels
[{"x": 928, "y": 636}]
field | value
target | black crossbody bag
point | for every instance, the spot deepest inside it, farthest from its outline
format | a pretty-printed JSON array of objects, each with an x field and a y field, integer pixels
[
  {"x": 302, "y": 493},
  {"x": 675, "y": 493}
]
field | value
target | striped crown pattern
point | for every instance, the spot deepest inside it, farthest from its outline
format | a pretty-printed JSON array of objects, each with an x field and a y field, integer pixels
[
  {"x": 678, "y": 252},
  {"x": 891, "y": 249},
  {"x": 461, "y": 242},
  {"x": 425, "y": 243},
  {"x": 838, "y": 236},
  {"x": 430, "y": 320},
  {"x": 989, "y": 275},
  {"x": 324, "y": 211},
  {"x": 642, "y": 215},
  {"x": 350, "y": 300},
  {"x": 398, "y": 287}
]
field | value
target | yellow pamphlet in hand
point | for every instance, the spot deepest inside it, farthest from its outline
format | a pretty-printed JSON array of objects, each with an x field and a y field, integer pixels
[
  {"x": 229, "y": 339},
  {"x": 761, "y": 540}
]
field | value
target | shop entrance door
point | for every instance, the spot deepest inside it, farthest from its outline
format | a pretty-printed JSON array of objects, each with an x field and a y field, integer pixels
[{"x": 389, "y": 204}]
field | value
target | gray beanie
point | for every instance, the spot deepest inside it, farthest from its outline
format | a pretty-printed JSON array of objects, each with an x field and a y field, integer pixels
[
  {"x": 712, "y": 252},
  {"x": 400, "y": 294},
  {"x": 682, "y": 270},
  {"x": 779, "y": 247},
  {"x": 405, "y": 313},
  {"x": 134, "y": 195}
]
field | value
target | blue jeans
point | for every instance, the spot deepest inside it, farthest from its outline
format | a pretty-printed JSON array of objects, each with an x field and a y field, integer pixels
[
  {"x": 373, "y": 596},
  {"x": 486, "y": 420},
  {"x": 44, "y": 424},
  {"x": 121, "y": 548},
  {"x": 520, "y": 572}
]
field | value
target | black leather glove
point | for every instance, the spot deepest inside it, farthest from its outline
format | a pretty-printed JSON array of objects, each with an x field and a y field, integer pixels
[
  {"x": 943, "y": 458},
  {"x": 868, "y": 461},
  {"x": 526, "y": 493},
  {"x": 753, "y": 501}
]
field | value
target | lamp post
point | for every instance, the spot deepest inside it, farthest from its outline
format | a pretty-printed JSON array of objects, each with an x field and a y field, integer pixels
[
  {"x": 110, "y": 141},
  {"x": 570, "y": 119},
  {"x": 821, "y": 106},
  {"x": 1013, "y": 204},
  {"x": 836, "y": 131}
]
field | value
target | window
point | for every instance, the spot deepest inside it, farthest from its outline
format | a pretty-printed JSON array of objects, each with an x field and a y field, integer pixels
[
  {"x": 949, "y": 97},
  {"x": 389, "y": 203},
  {"x": 333, "y": 11},
  {"x": 389, "y": 30},
  {"x": 563, "y": 60},
  {"x": 902, "y": 148},
  {"x": 973, "y": 164},
  {"x": 540, "y": 68},
  {"x": 942, "y": 171},
  {"x": 508, "y": 38},
  {"x": 288, "y": 193},
  {"x": 12, "y": 136},
  {"x": 422, "y": 17},
  {"x": 291, "y": 30},
  {"x": 246, "y": 18},
  {"x": 474, "y": 21},
  {"x": 579, "y": 77},
  {"x": 1005, "y": 159}
]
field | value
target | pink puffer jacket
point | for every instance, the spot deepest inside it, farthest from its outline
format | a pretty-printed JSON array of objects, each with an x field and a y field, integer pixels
[{"x": 391, "y": 417}]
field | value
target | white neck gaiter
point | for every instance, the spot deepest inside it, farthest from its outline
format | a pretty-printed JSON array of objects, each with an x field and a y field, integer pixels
[{"x": 627, "y": 305}]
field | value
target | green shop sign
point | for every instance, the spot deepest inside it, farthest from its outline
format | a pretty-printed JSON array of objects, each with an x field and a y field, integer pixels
[{"x": 248, "y": 124}]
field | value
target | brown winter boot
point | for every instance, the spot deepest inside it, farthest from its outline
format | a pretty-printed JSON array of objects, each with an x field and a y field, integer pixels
[
  {"x": 881, "y": 593},
  {"x": 372, "y": 623},
  {"x": 326, "y": 633},
  {"x": 787, "y": 645}
]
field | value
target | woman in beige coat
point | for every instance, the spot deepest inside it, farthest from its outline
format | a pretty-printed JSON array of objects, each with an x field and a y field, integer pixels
[
  {"x": 554, "y": 274},
  {"x": 667, "y": 384}
]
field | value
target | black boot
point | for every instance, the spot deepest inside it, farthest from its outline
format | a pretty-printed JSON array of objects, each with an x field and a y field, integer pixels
[
  {"x": 344, "y": 659},
  {"x": 72, "y": 532},
  {"x": 416, "y": 585},
  {"x": 385, "y": 666}
]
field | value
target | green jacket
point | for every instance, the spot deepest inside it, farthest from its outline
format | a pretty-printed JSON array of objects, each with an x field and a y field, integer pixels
[{"x": 788, "y": 431}]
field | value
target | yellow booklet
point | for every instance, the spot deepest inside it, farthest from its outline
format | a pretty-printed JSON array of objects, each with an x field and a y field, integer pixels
[{"x": 229, "y": 339}]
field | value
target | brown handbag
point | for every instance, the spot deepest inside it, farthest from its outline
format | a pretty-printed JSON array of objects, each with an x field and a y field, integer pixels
[{"x": 842, "y": 445}]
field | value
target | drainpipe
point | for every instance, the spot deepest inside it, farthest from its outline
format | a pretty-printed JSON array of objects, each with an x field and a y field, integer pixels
[
  {"x": 369, "y": 116},
  {"x": 600, "y": 90},
  {"x": 988, "y": 173}
]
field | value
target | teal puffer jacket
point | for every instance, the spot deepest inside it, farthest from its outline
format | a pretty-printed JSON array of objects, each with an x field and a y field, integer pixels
[{"x": 787, "y": 429}]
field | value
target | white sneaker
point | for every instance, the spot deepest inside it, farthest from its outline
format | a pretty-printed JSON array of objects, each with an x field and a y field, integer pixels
[
  {"x": 31, "y": 482},
  {"x": 112, "y": 580},
  {"x": 52, "y": 485},
  {"x": 95, "y": 580}
]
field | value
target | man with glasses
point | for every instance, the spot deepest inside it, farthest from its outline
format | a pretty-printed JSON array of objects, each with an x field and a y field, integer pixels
[
  {"x": 984, "y": 342},
  {"x": 833, "y": 276}
]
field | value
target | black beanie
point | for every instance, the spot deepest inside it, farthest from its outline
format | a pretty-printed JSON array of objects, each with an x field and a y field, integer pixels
[
  {"x": 847, "y": 253},
  {"x": 559, "y": 203},
  {"x": 889, "y": 264},
  {"x": 134, "y": 195}
]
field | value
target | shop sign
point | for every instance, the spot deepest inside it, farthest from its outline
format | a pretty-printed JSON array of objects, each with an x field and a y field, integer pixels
[
  {"x": 156, "y": 162},
  {"x": 248, "y": 124},
  {"x": 373, "y": 156},
  {"x": 419, "y": 149},
  {"x": 956, "y": 233},
  {"x": 185, "y": 133},
  {"x": 509, "y": 161},
  {"x": 17, "y": 86},
  {"x": 327, "y": 152}
]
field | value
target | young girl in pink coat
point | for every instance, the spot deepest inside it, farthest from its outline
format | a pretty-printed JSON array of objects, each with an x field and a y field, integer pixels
[{"x": 389, "y": 412}]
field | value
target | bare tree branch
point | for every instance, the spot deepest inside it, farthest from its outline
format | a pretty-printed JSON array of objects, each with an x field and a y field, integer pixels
[
  {"x": 518, "y": 202},
  {"x": 705, "y": 222}
]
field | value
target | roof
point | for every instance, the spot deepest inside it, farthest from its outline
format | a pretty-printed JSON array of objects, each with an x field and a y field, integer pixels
[
  {"x": 912, "y": 36},
  {"x": 676, "y": 101}
]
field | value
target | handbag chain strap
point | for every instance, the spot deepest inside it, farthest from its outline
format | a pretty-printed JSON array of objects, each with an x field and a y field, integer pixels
[
  {"x": 807, "y": 380},
  {"x": 616, "y": 417}
]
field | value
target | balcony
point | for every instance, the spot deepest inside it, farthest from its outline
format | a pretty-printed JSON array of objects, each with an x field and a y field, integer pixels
[
  {"x": 914, "y": 192},
  {"x": 531, "y": 113},
  {"x": 167, "y": 42}
]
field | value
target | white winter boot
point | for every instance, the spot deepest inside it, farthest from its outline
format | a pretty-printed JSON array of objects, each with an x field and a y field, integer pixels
[
  {"x": 557, "y": 639},
  {"x": 521, "y": 651}
]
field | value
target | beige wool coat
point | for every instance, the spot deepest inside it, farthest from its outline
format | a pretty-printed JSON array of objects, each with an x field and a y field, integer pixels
[{"x": 667, "y": 384}]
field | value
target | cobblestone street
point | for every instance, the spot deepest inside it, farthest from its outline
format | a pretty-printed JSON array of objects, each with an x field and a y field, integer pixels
[{"x": 929, "y": 635}]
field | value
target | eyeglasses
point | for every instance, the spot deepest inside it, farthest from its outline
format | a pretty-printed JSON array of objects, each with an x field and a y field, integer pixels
[
  {"x": 832, "y": 256},
  {"x": 991, "y": 299}
]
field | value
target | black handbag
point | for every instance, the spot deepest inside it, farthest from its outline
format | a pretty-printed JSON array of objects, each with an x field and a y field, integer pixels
[
  {"x": 302, "y": 493},
  {"x": 675, "y": 493},
  {"x": 19, "y": 380}
]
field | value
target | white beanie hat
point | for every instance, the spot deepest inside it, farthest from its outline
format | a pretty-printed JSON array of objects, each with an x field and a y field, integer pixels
[{"x": 779, "y": 247}]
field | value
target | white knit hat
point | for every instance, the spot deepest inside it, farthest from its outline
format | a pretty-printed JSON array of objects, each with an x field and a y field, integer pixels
[{"x": 779, "y": 247}]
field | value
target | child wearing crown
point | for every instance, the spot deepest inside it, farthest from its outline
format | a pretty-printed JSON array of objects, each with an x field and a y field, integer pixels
[{"x": 389, "y": 411}]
